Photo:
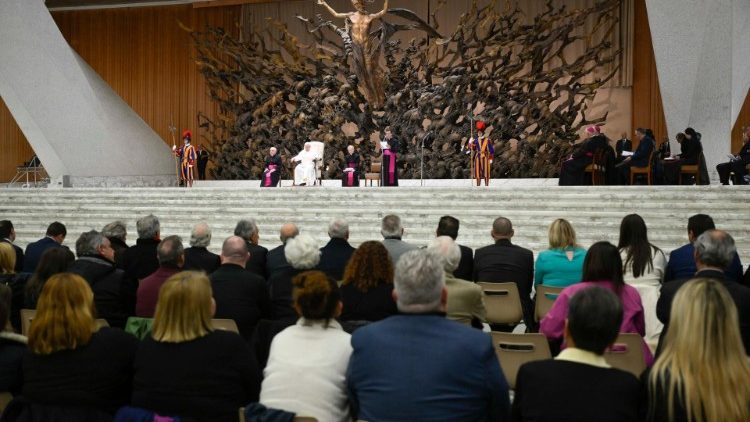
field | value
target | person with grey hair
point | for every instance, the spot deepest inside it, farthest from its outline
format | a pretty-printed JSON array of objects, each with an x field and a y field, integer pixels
[
  {"x": 140, "y": 260},
  {"x": 303, "y": 254},
  {"x": 117, "y": 233},
  {"x": 248, "y": 230},
  {"x": 336, "y": 253},
  {"x": 465, "y": 299},
  {"x": 392, "y": 232},
  {"x": 240, "y": 294},
  {"x": 714, "y": 251},
  {"x": 197, "y": 256},
  {"x": 95, "y": 264},
  {"x": 276, "y": 260},
  {"x": 504, "y": 261},
  {"x": 171, "y": 255},
  {"x": 419, "y": 356}
]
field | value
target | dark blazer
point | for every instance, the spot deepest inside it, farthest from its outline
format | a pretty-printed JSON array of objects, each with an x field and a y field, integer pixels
[
  {"x": 198, "y": 258},
  {"x": 280, "y": 287},
  {"x": 565, "y": 391},
  {"x": 34, "y": 253},
  {"x": 19, "y": 255},
  {"x": 373, "y": 305},
  {"x": 623, "y": 144},
  {"x": 333, "y": 258},
  {"x": 12, "y": 349},
  {"x": 643, "y": 152},
  {"x": 242, "y": 296},
  {"x": 206, "y": 379},
  {"x": 465, "y": 270},
  {"x": 504, "y": 262},
  {"x": 276, "y": 261},
  {"x": 257, "y": 262},
  {"x": 423, "y": 367},
  {"x": 140, "y": 260},
  {"x": 98, "y": 374},
  {"x": 740, "y": 294},
  {"x": 106, "y": 282},
  {"x": 689, "y": 151},
  {"x": 120, "y": 247},
  {"x": 681, "y": 265}
]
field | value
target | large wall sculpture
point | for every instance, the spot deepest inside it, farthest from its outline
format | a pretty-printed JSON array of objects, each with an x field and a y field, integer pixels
[{"x": 516, "y": 74}]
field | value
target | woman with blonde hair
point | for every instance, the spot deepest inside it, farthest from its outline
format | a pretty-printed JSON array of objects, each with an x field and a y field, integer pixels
[
  {"x": 71, "y": 362},
  {"x": 702, "y": 372},
  {"x": 367, "y": 286},
  {"x": 562, "y": 264},
  {"x": 186, "y": 368},
  {"x": 16, "y": 282},
  {"x": 321, "y": 392}
]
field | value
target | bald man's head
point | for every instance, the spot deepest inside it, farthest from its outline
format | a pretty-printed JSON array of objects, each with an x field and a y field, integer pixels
[
  {"x": 288, "y": 231},
  {"x": 502, "y": 228},
  {"x": 234, "y": 251}
]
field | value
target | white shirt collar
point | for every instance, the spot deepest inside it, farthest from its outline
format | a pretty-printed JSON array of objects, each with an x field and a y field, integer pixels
[
  {"x": 572, "y": 354},
  {"x": 319, "y": 323}
]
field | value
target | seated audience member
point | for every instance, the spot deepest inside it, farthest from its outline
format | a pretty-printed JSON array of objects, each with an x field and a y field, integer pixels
[
  {"x": 171, "y": 256},
  {"x": 681, "y": 264},
  {"x": 240, "y": 295},
  {"x": 505, "y": 262},
  {"x": 53, "y": 261},
  {"x": 572, "y": 170},
  {"x": 643, "y": 268},
  {"x": 248, "y": 230},
  {"x": 12, "y": 347},
  {"x": 188, "y": 369},
  {"x": 404, "y": 367},
  {"x": 702, "y": 371},
  {"x": 465, "y": 299},
  {"x": 302, "y": 254},
  {"x": 71, "y": 363},
  {"x": 276, "y": 260},
  {"x": 96, "y": 264},
  {"x": 448, "y": 226},
  {"x": 641, "y": 157},
  {"x": 578, "y": 385},
  {"x": 602, "y": 267},
  {"x": 562, "y": 264},
  {"x": 336, "y": 253},
  {"x": 623, "y": 144},
  {"x": 367, "y": 286},
  {"x": 17, "y": 282},
  {"x": 321, "y": 392},
  {"x": 738, "y": 165},
  {"x": 713, "y": 251},
  {"x": 54, "y": 237},
  {"x": 690, "y": 150},
  {"x": 197, "y": 256},
  {"x": 392, "y": 232},
  {"x": 8, "y": 235},
  {"x": 117, "y": 232},
  {"x": 139, "y": 261}
]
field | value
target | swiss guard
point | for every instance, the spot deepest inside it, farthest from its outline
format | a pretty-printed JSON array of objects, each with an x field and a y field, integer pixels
[
  {"x": 482, "y": 154},
  {"x": 187, "y": 157}
]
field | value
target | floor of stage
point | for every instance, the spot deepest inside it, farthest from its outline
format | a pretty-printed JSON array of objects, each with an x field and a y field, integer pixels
[{"x": 433, "y": 183}]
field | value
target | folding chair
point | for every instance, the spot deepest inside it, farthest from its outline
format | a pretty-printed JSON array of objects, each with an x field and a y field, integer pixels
[
  {"x": 627, "y": 354},
  {"x": 225, "y": 324},
  {"x": 503, "y": 303},
  {"x": 513, "y": 350},
  {"x": 545, "y": 298}
]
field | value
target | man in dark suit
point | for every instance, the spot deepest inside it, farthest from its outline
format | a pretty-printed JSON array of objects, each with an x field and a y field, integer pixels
[
  {"x": 54, "y": 237},
  {"x": 275, "y": 260},
  {"x": 336, "y": 253},
  {"x": 578, "y": 385},
  {"x": 681, "y": 263},
  {"x": 96, "y": 264},
  {"x": 240, "y": 295},
  {"x": 405, "y": 366},
  {"x": 714, "y": 250},
  {"x": 738, "y": 164},
  {"x": 248, "y": 230},
  {"x": 506, "y": 262},
  {"x": 117, "y": 233},
  {"x": 140, "y": 260},
  {"x": 198, "y": 257},
  {"x": 640, "y": 157},
  {"x": 8, "y": 235},
  {"x": 623, "y": 144},
  {"x": 448, "y": 226}
]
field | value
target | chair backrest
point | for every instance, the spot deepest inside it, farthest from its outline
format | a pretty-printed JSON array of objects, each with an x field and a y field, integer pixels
[
  {"x": 242, "y": 414},
  {"x": 304, "y": 419},
  {"x": 319, "y": 149},
  {"x": 376, "y": 166},
  {"x": 627, "y": 354},
  {"x": 27, "y": 315},
  {"x": 545, "y": 298},
  {"x": 5, "y": 398},
  {"x": 503, "y": 303},
  {"x": 513, "y": 350},
  {"x": 225, "y": 324}
]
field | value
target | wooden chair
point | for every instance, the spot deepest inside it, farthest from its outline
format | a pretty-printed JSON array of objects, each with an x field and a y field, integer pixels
[
  {"x": 503, "y": 303},
  {"x": 643, "y": 170},
  {"x": 597, "y": 168},
  {"x": 513, "y": 350},
  {"x": 693, "y": 170},
  {"x": 545, "y": 298},
  {"x": 374, "y": 174},
  {"x": 627, "y": 354},
  {"x": 225, "y": 324}
]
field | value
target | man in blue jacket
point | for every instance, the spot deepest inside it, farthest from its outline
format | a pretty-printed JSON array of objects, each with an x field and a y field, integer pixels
[
  {"x": 54, "y": 237},
  {"x": 419, "y": 366}
]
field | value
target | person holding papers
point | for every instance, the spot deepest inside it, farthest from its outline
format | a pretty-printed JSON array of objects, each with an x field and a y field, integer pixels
[
  {"x": 737, "y": 164},
  {"x": 389, "y": 173},
  {"x": 350, "y": 177}
]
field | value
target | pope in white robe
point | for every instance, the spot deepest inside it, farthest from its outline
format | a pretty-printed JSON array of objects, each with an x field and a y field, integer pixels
[{"x": 304, "y": 172}]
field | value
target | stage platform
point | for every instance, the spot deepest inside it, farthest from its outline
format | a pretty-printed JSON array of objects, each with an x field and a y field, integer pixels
[{"x": 532, "y": 204}]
